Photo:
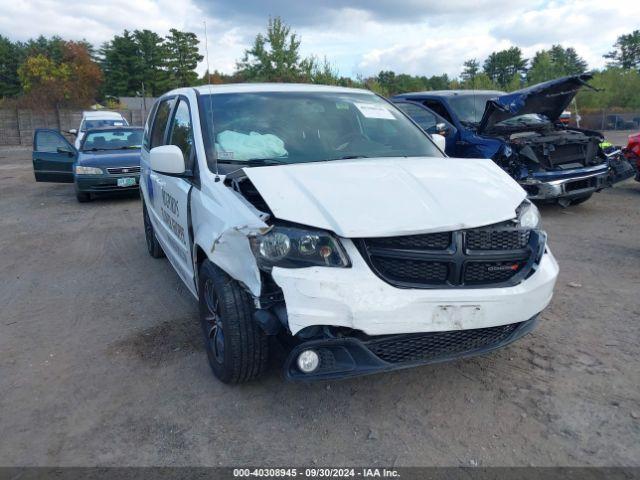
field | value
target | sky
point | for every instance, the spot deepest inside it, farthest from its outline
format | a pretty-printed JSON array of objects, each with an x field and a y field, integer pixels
[{"x": 358, "y": 37}]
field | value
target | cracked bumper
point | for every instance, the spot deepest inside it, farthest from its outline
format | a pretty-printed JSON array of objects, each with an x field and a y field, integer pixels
[{"x": 356, "y": 298}]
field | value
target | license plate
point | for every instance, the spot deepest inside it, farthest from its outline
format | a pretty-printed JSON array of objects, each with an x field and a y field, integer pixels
[{"x": 126, "y": 182}]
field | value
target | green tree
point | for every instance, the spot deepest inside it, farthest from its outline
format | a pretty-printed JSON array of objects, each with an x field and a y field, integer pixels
[
  {"x": 151, "y": 62},
  {"x": 471, "y": 69},
  {"x": 553, "y": 63},
  {"x": 11, "y": 55},
  {"x": 182, "y": 58},
  {"x": 122, "y": 66},
  {"x": 503, "y": 66},
  {"x": 626, "y": 52},
  {"x": 275, "y": 57}
]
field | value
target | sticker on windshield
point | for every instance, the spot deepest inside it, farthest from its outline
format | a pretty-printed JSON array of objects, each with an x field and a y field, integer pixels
[
  {"x": 224, "y": 155},
  {"x": 371, "y": 110},
  {"x": 118, "y": 124}
]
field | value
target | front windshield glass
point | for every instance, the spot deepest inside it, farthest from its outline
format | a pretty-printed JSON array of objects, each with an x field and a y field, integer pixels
[
  {"x": 469, "y": 108},
  {"x": 120, "y": 139},
  {"x": 528, "y": 120},
  {"x": 296, "y": 127},
  {"x": 89, "y": 124}
]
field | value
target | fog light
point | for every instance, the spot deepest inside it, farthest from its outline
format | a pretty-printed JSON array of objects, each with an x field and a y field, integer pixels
[{"x": 308, "y": 361}]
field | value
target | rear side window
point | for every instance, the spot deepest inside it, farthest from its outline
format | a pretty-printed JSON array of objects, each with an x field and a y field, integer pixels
[
  {"x": 181, "y": 133},
  {"x": 160, "y": 122}
]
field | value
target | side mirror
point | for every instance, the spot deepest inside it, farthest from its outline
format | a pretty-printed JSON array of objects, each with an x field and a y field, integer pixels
[
  {"x": 167, "y": 159},
  {"x": 73, "y": 131},
  {"x": 442, "y": 129},
  {"x": 439, "y": 140}
]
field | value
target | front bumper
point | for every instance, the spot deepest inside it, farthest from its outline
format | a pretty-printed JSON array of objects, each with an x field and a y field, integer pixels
[
  {"x": 104, "y": 183},
  {"x": 569, "y": 184},
  {"x": 350, "y": 356},
  {"x": 358, "y": 299}
]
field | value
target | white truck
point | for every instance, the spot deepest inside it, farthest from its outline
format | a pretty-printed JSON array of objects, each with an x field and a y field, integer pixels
[{"x": 325, "y": 218}]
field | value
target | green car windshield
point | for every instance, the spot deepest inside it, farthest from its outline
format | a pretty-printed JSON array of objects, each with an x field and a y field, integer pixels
[
  {"x": 120, "y": 139},
  {"x": 296, "y": 127}
]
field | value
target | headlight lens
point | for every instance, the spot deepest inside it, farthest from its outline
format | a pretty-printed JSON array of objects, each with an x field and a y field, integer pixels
[
  {"x": 80, "y": 170},
  {"x": 528, "y": 215},
  {"x": 292, "y": 247}
]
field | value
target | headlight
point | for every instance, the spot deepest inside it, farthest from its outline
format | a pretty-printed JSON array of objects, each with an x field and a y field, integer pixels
[
  {"x": 528, "y": 215},
  {"x": 291, "y": 247},
  {"x": 80, "y": 170}
]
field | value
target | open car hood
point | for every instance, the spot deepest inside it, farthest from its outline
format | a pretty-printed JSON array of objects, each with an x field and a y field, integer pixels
[
  {"x": 389, "y": 196},
  {"x": 548, "y": 98}
]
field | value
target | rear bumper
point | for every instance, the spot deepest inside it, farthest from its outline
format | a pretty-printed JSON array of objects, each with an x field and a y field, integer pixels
[
  {"x": 575, "y": 184},
  {"x": 349, "y": 357},
  {"x": 104, "y": 183}
]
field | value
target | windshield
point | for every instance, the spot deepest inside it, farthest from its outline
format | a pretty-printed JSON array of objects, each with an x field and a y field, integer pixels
[
  {"x": 296, "y": 127},
  {"x": 114, "y": 122},
  {"x": 120, "y": 139},
  {"x": 528, "y": 120},
  {"x": 469, "y": 108}
]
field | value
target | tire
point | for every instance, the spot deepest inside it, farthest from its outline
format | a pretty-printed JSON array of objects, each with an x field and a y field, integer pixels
[
  {"x": 237, "y": 348},
  {"x": 153, "y": 247},
  {"x": 579, "y": 200},
  {"x": 83, "y": 197}
]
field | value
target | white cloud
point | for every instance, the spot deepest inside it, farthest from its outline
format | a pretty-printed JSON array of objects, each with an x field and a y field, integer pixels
[{"x": 358, "y": 37}]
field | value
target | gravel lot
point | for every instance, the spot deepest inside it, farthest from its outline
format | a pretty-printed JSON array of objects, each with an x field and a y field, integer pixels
[{"x": 101, "y": 361}]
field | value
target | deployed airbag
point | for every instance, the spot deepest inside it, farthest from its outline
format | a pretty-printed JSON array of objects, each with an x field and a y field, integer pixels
[{"x": 232, "y": 145}]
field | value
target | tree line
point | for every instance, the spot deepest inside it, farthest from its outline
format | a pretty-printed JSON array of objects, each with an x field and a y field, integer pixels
[{"x": 57, "y": 72}]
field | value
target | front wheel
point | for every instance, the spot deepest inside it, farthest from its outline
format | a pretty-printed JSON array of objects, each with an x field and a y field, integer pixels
[
  {"x": 153, "y": 246},
  {"x": 236, "y": 346},
  {"x": 579, "y": 200},
  {"x": 83, "y": 197}
]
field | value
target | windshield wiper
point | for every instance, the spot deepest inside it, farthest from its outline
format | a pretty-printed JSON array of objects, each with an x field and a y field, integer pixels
[
  {"x": 127, "y": 147},
  {"x": 256, "y": 162},
  {"x": 351, "y": 157}
]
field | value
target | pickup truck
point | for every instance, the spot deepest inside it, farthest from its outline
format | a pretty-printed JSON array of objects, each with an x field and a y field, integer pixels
[
  {"x": 523, "y": 133},
  {"x": 324, "y": 220}
]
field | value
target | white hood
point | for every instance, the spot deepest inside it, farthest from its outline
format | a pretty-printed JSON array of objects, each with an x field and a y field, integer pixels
[{"x": 389, "y": 196}]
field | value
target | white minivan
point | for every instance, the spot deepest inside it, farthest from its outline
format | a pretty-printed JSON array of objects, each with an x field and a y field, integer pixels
[
  {"x": 96, "y": 119},
  {"x": 324, "y": 218}
]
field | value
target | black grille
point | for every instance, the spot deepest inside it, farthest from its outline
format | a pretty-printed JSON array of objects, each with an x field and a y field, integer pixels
[
  {"x": 412, "y": 270},
  {"x": 430, "y": 346},
  {"x": 430, "y": 241},
  {"x": 488, "y": 256},
  {"x": 121, "y": 170},
  {"x": 487, "y": 239},
  {"x": 491, "y": 272},
  {"x": 579, "y": 184}
]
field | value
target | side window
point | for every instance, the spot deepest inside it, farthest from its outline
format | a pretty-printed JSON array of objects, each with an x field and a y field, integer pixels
[
  {"x": 181, "y": 133},
  {"x": 49, "y": 142},
  {"x": 160, "y": 122},
  {"x": 146, "y": 139},
  {"x": 437, "y": 107},
  {"x": 422, "y": 117}
]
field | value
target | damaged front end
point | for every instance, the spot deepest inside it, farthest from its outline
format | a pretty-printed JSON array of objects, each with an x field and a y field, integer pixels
[
  {"x": 556, "y": 164},
  {"x": 551, "y": 161}
]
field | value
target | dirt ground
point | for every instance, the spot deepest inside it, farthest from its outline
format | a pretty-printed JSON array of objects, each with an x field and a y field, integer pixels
[{"x": 101, "y": 361}]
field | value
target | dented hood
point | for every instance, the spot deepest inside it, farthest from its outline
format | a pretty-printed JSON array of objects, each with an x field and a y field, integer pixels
[
  {"x": 548, "y": 98},
  {"x": 390, "y": 196}
]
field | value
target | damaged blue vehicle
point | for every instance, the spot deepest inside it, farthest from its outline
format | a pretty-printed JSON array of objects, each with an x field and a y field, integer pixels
[{"x": 522, "y": 133}]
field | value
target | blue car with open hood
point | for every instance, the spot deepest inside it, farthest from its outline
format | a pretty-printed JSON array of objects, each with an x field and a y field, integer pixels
[
  {"x": 521, "y": 131},
  {"x": 108, "y": 160}
]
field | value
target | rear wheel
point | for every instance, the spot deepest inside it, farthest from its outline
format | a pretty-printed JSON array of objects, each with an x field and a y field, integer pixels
[
  {"x": 153, "y": 247},
  {"x": 237, "y": 348},
  {"x": 579, "y": 200}
]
